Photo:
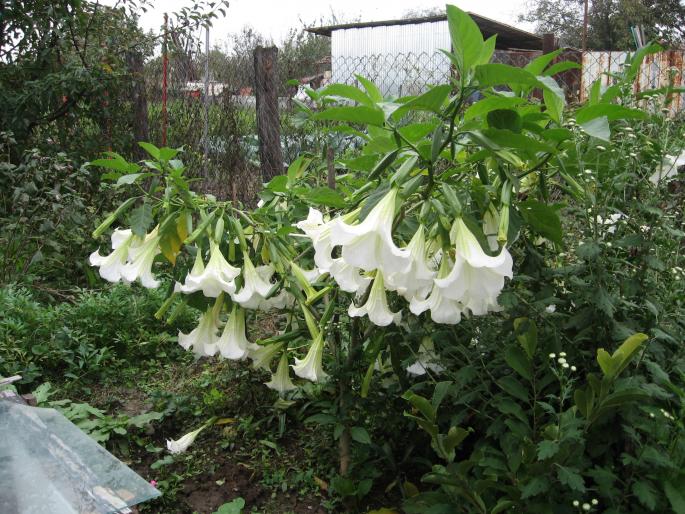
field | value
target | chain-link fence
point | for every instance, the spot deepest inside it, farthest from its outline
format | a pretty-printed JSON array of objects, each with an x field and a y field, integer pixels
[{"x": 239, "y": 125}]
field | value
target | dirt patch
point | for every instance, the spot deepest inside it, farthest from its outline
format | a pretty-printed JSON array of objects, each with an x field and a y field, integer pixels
[{"x": 206, "y": 492}]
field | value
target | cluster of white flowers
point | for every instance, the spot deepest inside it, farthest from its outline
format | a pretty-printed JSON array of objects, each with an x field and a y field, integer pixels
[
  {"x": 360, "y": 255},
  {"x": 562, "y": 361},
  {"x": 447, "y": 282},
  {"x": 132, "y": 258}
]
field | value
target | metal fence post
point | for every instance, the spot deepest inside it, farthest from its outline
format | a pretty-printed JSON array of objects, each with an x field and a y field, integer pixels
[{"x": 268, "y": 123}]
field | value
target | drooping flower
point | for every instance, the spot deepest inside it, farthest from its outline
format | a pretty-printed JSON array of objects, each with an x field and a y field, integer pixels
[
  {"x": 280, "y": 381},
  {"x": 442, "y": 309},
  {"x": 218, "y": 276},
  {"x": 112, "y": 265},
  {"x": 263, "y": 355},
  {"x": 427, "y": 359},
  {"x": 182, "y": 444},
  {"x": 256, "y": 285},
  {"x": 140, "y": 262},
  {"x": 349, "y": 278},
  {"x": 476, "y": 279},
  {"x": 417, "y": 280},
  {"x": 311, "y": 367},
  {"x": 233, "y": 343},
  {"x": 376, "y": 306},
  {"x": 203, "y": 338},
  {"x": 369, "y": 245},
  {"x": 319, "y": 232}
]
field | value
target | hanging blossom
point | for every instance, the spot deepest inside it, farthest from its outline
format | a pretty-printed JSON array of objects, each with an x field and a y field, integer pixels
[
  {"x": 140, "y": 262},
  {"x": 233, "y": 343},
  {"x": 219, "y": 276},
  {"x": 311, "y": 367},
  {"x": 369, "y": 245},
  {"x": 263, "y": 355},
  {"x": 182, "y": 444},
  {"x": 257, "y": 286},
  {"x": 280, "y": 381},
  {"x": 204, "y": 337},
  {"x": 476, "y": 279},
  {"x": 376, "y": 306},
  {"x": 417, "y": 280},
  {"x": 348, "y": 277},
  {"x": 442, "y": 309},
  {"x": 112, "y": 265}
]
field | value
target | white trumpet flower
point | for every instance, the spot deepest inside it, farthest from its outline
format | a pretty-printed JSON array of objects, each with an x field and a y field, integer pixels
[
  {"x": 233, "y": 343},
  {"x": 203, "y": 338},
  {"x": 319, "y": 232},
  {"x": 263, "y": 355},
  {"x": 141, "y": 258},
  {"x": 280, "y": 381},
  {"x": 442, "y": 309},
  {"x": 476, "y": 278},
  {"x": 219, "y": 276},
  {"x": 369, "y": 245},
  {"x": 112, "y": 265},
  {"x": 349, "y": 278},
  {"x": 376, "y": 306},
  {"x": 311, "y": 367},
  {"x": 418, "y": 279},
  {"x": 182, "y": 444},
  {"x": 256, "y": 285}
]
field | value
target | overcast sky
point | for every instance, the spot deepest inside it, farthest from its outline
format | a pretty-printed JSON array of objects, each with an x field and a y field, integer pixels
[{"x": 273, "y": 18}]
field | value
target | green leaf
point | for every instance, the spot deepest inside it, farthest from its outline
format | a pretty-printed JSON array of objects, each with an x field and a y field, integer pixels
[
  {"x": 543, "y": 219},
  {"x": 645, "y": 493},
  {"x": 676, "y": 495},
  {"x": 131, "y": 178},
  {"x": 117, "y": 163},
  {"x": 505, "y": 119},
  {"x": 512, "y": 386},
  {"x": 537, "y": 485},
  {"x": 561, "y": 67},
  {"x": 325, "y": 196},
  {"x": 467, "y": 40},
  {"x": 371, "y": 89},
  {"x": 610, "y": 111},
  {"x": 487, "y": 50},
  {"x": 496, "y": 74},
  {"x": 421, "y": 404},
  {"x": 518, "y": 361},
  {"x": 141, "y": 219},
  {"x": 492, "y": 103},
  {"x": 360, "y": 435},
  {"x": 553, "y": 104},
  {"x": 432, "y": 100},
  {"x": 349, "y": 92},
  {"x": 538, "y": 65},
  {"x": 233, "y": 507},
  {"x": 598, "y": 127},
  {"x": 547, "y": 449},
  {"x": 358, "y": 114},
  {"x": 527, "y": 335},
  {"x": 571, "y": 478},
  {"x": 151, "y": 149}
]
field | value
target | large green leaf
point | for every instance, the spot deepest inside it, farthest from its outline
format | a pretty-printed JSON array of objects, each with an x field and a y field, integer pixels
[
  {"x": 609, "y": 111},
  {"x": 326, "y": 196},
  {"x": 492, "y": 103},
  {"x": 497, "y": 74},
  {"x": 467, "y": 40},
  {"x": 432, "y": 100},
  {"x": 543, "y": 219},
  {"x": 349, "y": 92},
  {"x": 141, "y": 219}
]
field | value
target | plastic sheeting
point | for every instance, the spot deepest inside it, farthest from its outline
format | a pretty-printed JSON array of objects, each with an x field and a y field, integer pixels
[{"x": 49, "y": 466}]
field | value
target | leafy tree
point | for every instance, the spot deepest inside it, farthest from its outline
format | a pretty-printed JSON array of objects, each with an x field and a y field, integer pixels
[{"x": 609, "y": 21}]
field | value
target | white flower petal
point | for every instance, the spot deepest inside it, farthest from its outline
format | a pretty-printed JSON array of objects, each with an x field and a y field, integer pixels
[
  {"x": 311, "y": 367},
  {"x": 280, "y": 381}
]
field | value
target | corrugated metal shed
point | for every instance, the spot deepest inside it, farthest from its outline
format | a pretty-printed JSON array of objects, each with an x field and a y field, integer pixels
[{"x": 402, "y": 57}]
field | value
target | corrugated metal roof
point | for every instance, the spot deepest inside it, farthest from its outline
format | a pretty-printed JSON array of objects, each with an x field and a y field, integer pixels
[{"x": 508, "y": 37}]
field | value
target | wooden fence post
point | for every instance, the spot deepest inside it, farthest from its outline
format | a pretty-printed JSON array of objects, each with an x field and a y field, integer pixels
[
  {"x": 139, "y": 101},
  {"x": 549, "y": 43},
  {"x": 268, "y": 122}
]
